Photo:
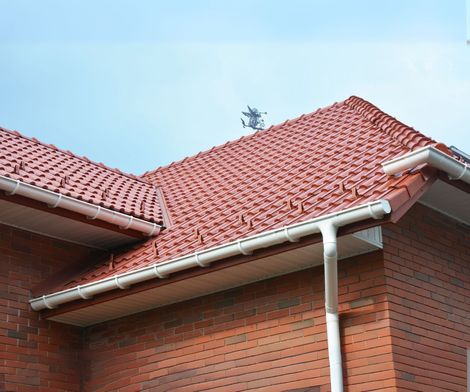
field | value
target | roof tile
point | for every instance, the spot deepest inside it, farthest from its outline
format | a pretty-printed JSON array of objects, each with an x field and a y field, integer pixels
[
  {"x": 318, "y": 163},
  {"x": 45, "y": 166}
]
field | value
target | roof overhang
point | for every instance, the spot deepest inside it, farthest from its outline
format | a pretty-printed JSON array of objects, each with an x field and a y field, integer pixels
[
  {"x": 54, "y": 200},
  {"x": 449, "y": 199},
  {"x": 64, "y": 225},
  {"x": 433, "y": 156},
  {"x": 449, "y": 191},
  {"x": 227, "y": 274},
  {"x": 208, "y": 278},
  {"x": 241, "y": 254}
]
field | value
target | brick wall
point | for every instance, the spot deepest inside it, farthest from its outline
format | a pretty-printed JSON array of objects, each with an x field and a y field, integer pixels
[
  {"x": 427, "y": 264},
  {"x": 266, "y": 336},
  {"x": 404, "y": 324},
  {"x": 35, "y": 355}
]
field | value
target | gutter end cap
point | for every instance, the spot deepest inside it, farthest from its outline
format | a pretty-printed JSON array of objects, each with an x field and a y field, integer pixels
[{"x": 386, "y": 207}]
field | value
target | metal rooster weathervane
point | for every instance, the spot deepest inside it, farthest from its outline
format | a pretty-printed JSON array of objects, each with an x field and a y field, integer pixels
[{"x": 254, "y": 119}]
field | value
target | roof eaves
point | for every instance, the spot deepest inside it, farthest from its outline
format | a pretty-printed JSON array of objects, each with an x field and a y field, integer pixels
[
  {"x": 245, "y": 246},
  {"x": 92, "y": 211}
]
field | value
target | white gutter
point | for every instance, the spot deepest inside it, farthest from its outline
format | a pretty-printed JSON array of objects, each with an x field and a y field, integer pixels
[
  {"x": 204, "y": 258},
  {"x": 54, "y": 200},
  {"x": 430, "y": 155}
]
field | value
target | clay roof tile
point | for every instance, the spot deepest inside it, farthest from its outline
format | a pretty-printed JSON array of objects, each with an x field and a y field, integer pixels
[{"x": 321, "y": 162}]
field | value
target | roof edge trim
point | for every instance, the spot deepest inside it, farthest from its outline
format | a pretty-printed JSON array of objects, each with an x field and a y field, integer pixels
[
  {"x": 404, "y": 134},
  {"x": 91, "y": 211},
  {"x": 373, "y": 210},
  {"x": 432, "y": 156}
]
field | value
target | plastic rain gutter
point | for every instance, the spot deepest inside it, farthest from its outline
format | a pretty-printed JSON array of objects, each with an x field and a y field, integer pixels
[
  {"x": 327, "y": 225},
  {"x": 54, "y": 200},
  {"x": 455, "y": 169}
]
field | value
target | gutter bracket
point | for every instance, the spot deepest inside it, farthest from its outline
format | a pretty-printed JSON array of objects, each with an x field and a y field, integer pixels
[
  {"x": 243, "y": 251},
  {"x": 460, "y": 176},
  {"x": 98, "y": 210},
  {"x": 131, "y": 219},
  {"x": 155, "y": 226},
  {"x": 59, "y": 199},
  {"x": 119, "y": 284},
  {"x": 15, "y": 188},
  {"x": 288, "y": 236},
  {"x": 80, "y": 293},
  {"x": 199, "y": 262},
  {"x": 157, "y": 272},
  {"x": 46, "y": 304}
]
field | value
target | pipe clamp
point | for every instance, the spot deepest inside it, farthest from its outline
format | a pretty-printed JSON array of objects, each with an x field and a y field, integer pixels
[{"x": 460, "y": 176}]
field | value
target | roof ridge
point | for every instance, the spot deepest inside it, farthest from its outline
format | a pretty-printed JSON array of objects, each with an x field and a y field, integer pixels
[
  {"x": 250, "y": 135},
  {"x": 404, "y": 134},
  {"x": 70, "y": 153}
]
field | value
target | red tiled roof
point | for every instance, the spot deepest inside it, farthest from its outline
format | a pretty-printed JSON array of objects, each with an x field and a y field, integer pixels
[
  {"x": 316, "y": 164},
  {"x": 45, "y": 166}
]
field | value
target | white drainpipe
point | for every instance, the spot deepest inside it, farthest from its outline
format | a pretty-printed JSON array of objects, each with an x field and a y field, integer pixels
[
  {"x": 455, "y": 169},
  {"x": 330, "y": 257},
  {"x": 54, "y": 200}
]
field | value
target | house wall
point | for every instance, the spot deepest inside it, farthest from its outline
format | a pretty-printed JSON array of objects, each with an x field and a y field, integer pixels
[
  {"x": 266, "y": 336},
  {"x": 35, "y": 355},
  {"x": 404, "y": 324},
  {"x": 427, "y": 268}
]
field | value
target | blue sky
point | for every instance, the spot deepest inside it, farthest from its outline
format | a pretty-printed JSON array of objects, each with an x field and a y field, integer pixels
[{"x": 138, "y": 84}]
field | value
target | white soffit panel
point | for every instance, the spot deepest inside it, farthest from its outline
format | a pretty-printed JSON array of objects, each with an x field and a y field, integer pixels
[
  {"x": 372, "y": 235},
  {"x": 448, "y": 200},
  {"x": 55, "y": 226}
]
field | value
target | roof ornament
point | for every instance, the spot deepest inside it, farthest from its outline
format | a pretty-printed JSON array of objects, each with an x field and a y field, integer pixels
[{"x": 254, "y": 119}]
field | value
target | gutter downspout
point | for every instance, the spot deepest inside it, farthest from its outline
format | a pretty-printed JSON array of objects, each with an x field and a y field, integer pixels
[
  {"x": 330, "y": 257},
  {"x": 54, "y": 200},
  {"x": 432, "y": 156}
]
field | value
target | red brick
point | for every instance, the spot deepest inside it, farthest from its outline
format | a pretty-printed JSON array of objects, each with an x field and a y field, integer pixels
[{"x": 39, "y": 352}]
